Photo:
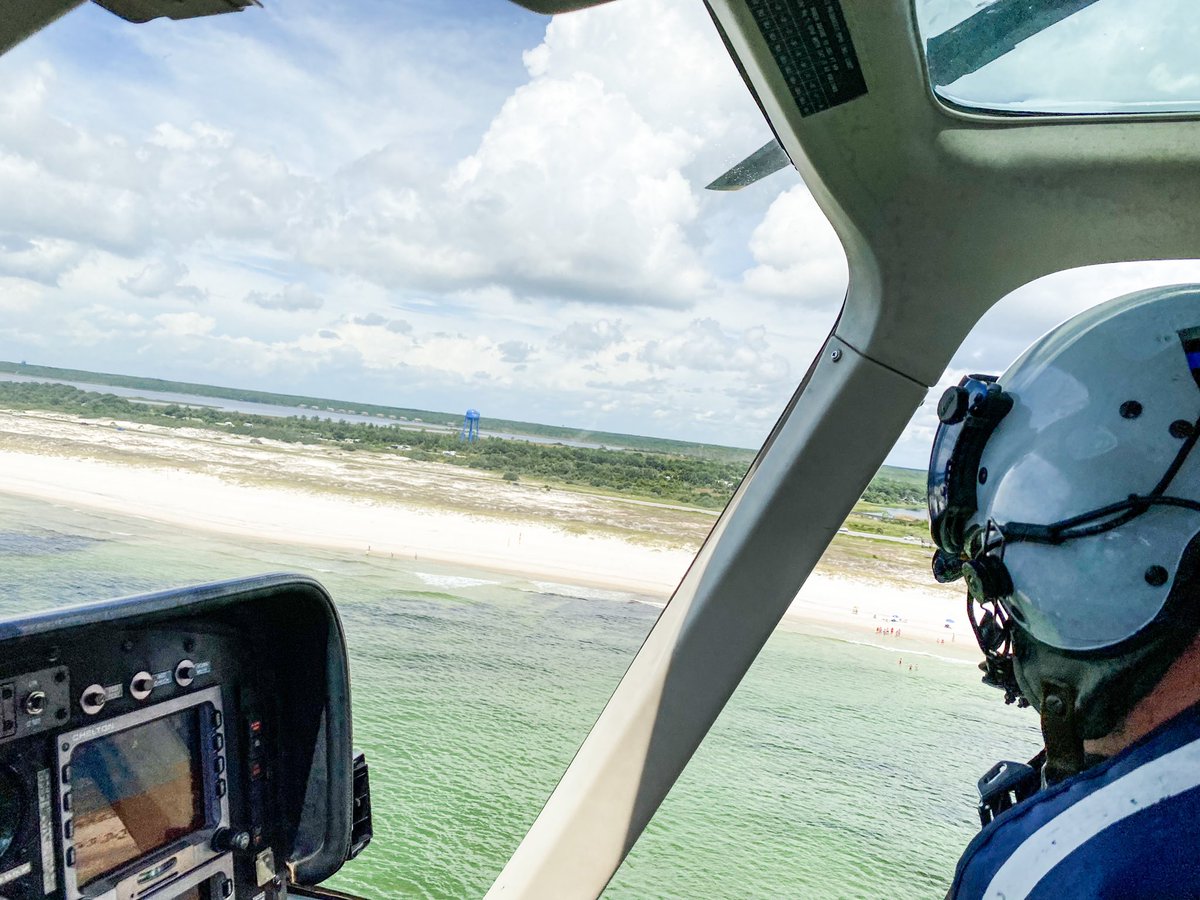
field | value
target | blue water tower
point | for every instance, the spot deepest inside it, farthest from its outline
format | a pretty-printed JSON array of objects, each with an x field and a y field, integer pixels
[{"x": 470, "y": 426}]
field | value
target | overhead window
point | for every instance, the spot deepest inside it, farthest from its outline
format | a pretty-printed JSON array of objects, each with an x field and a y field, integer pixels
[{"x": 1080, "y": 57}]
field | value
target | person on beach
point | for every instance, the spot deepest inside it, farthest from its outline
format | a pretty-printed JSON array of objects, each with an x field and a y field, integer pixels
[{"x": 1065, "y": 493}]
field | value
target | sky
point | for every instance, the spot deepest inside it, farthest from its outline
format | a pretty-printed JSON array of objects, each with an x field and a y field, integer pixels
[{"x": 435, "y": 205}]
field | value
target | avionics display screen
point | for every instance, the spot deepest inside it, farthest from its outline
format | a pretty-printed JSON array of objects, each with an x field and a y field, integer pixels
[{"x": 136, "y": 791}]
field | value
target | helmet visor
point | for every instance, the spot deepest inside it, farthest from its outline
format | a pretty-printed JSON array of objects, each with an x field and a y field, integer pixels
[{"x": 968, "y": 414}]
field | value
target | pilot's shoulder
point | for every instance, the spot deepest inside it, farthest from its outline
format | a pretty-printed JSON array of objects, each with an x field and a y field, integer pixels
[{"x": 1095, "y": 833}]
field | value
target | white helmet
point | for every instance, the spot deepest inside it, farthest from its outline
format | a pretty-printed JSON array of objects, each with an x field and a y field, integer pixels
[{"x": 1067, "y": 494}]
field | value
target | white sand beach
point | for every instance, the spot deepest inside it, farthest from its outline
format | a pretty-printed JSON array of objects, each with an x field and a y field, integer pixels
[
  {"x": 387, "y": 505},
  {"x": 298, "y": 516}
]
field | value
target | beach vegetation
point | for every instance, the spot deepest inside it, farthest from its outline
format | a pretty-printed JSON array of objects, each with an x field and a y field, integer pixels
[
  {"x": 661, "y": 476},
  {"x": 386, "y": 414}
]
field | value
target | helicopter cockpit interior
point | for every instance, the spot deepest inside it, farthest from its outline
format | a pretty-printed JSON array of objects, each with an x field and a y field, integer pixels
[{"x": 197, "y": 743}]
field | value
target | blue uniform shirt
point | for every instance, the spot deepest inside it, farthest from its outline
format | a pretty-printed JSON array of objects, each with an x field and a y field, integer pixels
[{"x": 1126, "y": 828}]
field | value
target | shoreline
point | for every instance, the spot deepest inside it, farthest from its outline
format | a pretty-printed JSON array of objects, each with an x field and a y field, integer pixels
[
  {"x": 352, "y": 503},
  {"x": 205, "y": 503}
]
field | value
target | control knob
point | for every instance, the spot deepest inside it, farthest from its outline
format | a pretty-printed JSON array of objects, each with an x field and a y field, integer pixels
[
  {"x": 141, "y": 685},
  {"x": 93, "y": 698},
  {"x": 185, "y": 673},
  {"x": 230, "y": 839}
]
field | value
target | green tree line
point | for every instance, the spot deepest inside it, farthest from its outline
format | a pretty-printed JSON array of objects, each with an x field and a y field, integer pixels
[
  {"x": 669, "y": 477},
  {"x": 511, "y": 426},
  {"x": 672, "y": 478}
]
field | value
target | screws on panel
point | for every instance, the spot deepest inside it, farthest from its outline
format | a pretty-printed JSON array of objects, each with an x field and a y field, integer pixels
[
  {"x": 1156, "y": 576},
  {"x": 1131, "y": 409}
]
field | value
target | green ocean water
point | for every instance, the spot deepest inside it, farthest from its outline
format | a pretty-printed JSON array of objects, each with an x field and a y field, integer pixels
[{"x": 834, "y": 771}]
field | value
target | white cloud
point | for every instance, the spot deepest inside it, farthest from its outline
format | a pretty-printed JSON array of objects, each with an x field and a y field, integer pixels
[
  {"x": 707, "y": 347},
  {"x": 590, "y": 337},
  {"x": 184, "y": 324},
  {"x": 292, "y": 298},
  {"x": 162, "y": 276},
  {"x": 515, "y": 351},
  {"x": 797, "y": 253},
  {"x": 43, "y": 260},
  {"x": 435, "y": 232}
]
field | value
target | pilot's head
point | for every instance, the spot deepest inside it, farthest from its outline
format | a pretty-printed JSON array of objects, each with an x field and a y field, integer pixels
[{"x": 1066, "y": 493}]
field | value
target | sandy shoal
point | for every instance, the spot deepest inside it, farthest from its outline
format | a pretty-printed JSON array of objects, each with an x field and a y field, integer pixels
[
  {"x": 208, "y": 503},
  {"x": 907, "y": 617}
]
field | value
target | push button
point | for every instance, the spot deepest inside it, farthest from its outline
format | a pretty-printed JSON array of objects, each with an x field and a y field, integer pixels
[
  {"x": 71, "y": 856},
  {"x": 217, "y": 718},
  {"x": 66, "y": 803},
  {"x": 222, "y": 787},
  {"x": 69, "y": 829},
  {"x": 219, "y": 765},
  {"x": 66, "y": 774},
  {"x": 218, "y": 742}
]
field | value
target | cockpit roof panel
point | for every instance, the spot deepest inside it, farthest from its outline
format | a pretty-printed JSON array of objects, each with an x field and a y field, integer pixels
[{"x": 1066, "y": 57}]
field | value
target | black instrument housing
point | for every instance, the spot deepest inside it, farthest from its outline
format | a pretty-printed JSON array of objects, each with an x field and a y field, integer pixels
[{"x": 274, "y": 647}]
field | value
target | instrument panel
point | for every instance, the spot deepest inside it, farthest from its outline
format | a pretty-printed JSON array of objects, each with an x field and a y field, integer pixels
[{"x": 184, "y": 745}]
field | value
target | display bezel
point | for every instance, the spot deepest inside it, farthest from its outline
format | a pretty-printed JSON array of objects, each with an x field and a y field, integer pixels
[
  {"x": 212, "y": 875},
  {"x": 191, "y": 850}
]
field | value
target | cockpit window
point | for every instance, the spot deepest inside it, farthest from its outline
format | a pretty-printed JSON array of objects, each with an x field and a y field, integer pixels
[
  {"x": 427, "y": 301},
  {"x": 1067, "y": 57}
]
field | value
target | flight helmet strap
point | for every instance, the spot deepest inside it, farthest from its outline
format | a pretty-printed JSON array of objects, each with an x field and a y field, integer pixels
[{"x": 1064, "y": 743}]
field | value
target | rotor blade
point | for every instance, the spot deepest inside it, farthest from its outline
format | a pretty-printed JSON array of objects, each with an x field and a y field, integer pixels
[
  {"x": 766, "y": 160},
  {"x": 990, "y": 33},
  {"x": 20, "y": 20},
  {"x": 554, "y": 7},
  {"x": 139, "y": 11}
]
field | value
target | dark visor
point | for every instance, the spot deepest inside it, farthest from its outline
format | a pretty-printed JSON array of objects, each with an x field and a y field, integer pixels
[{"x": 968, "y": 414}]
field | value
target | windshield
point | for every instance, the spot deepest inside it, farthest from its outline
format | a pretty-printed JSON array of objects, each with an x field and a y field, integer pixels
[
  {"x": 1068, "y": 56},
  {"x": 428, "y": 301},
  {"x": 259, "y": 271}
]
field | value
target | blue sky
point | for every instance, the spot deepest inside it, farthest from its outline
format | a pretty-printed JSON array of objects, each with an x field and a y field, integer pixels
[{"x": 431, "y": 204}]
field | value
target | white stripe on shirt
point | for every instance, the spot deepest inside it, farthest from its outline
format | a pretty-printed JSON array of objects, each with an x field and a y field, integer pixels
[{"x": 1150, "y": 783}]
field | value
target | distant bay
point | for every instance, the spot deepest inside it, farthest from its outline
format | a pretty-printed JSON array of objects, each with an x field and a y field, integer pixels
[{"x": 270, "y": 409}]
